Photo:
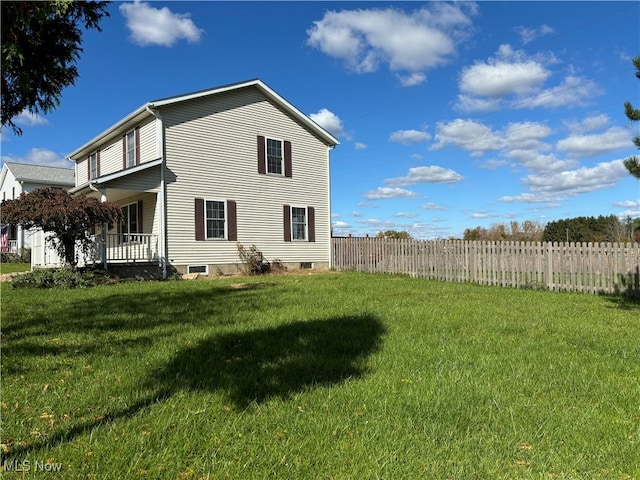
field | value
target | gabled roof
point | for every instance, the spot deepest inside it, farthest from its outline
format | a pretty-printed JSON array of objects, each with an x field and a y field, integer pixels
[
  {"x": 41, "y": 174},
  {"x": 145, "y": 111}
]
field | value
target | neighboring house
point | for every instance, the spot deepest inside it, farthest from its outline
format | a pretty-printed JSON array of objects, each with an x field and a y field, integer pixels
[
  {"x": 17, "y": 178},
  {"x": 198, "y": 174}
]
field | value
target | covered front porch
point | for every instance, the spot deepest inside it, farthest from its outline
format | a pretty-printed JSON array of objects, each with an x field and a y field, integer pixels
[{"x": 138, "y": 239}]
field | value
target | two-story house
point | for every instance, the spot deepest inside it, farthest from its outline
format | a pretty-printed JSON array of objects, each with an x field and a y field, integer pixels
[{"x": 198, "y": 174}]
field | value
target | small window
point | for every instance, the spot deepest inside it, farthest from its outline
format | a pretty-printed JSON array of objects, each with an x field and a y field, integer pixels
[
  {"x": 130, "y": 140},
  {"x": 215, "y": 219},
  {"x": 93, "y": 165},
  {"x": 298, "y": 223},
  {"x": 274, "y": 156},
  {"x": 198, "y": 269}
]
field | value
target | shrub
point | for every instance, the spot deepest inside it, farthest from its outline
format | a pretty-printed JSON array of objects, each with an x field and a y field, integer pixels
[
  {"x": 60, "y": 278},
  {"x": 253, "y": 261}
]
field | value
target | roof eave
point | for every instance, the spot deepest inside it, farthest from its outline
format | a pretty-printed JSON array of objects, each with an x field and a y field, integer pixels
[{"x": 110, "y": 132}]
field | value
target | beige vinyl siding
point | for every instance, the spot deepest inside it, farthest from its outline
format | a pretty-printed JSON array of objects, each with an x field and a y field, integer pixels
[
  {"x": 211, "y": 148},
  {"x": 111, "y": 158},
  {"x": 148, "y": 143},
  {"x": 149, "y": 212},
  {"x": 82, "y": 172},
  {"x": 147, "y": 180}
]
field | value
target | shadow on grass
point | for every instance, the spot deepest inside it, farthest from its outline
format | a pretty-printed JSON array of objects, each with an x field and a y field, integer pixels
[
  {"x": 251, "y": 366},
  {"x": 140, "y": 309},
  {"x": 257, "y": 365}
]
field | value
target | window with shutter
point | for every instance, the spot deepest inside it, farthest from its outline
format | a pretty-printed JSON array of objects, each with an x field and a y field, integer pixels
[
  {"x": 299, "y": 224},
  {"x": 215, "y": 219},
  {"x": 274, "y": 156}
]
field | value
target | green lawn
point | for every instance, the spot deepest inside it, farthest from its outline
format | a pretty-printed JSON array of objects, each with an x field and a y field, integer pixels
[
  {"x": 332, "y": 376},
  {"x": 14, "y": 267}
]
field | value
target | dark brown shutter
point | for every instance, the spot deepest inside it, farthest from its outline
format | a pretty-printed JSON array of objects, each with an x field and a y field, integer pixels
[
  {"x": 124, "y": 151},
  {"x": 98, "y": 163},
  {"x": 287, "y": 223},
  {"x": 232, "y": 225},
  {"x": 262, "y": 164},
  {"x": 140, "y": 224},
  {"x": 311, "y": 223},
  {"x": 287, "y": 159},
  {"x": 137, "y": 134},
  {"x": 199, "y": 218}
]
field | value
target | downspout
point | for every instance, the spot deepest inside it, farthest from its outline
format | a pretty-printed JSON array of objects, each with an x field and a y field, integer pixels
[
  {"x": 162, "y": 210},
  {"x": 105, "y": 227},
  {"x": 329, "y": 148}
]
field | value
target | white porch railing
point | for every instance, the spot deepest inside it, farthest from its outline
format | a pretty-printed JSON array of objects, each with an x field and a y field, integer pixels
[
  {"x": 119, "y": 249},
  {"x": 128, "y": 248}
]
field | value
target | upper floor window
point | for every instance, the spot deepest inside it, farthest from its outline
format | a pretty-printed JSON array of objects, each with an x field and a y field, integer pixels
[
  {"x": 274, "y": 156},
  {"x": 93, "y": 166},
  {"x": 130, "y": 148}
]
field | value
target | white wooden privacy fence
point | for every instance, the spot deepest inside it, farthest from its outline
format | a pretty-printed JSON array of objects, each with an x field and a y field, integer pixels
[{"x": 583, "y": 267}]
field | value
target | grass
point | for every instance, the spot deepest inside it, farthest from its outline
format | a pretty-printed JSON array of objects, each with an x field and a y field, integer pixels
[
  {"x": 14, "y": 267},
  {"x": 336, "y": 376}
]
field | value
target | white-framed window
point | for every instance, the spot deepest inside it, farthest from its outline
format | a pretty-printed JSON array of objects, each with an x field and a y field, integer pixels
[
  {"x": 130, "y": 148},
  {"x": 130, "y": 223},
  {"x": 93, "y": 165},
  {"x": 215, "y": 225},
  {"x": 275, "y": 156},
  {"x": 298, "y": 223}
]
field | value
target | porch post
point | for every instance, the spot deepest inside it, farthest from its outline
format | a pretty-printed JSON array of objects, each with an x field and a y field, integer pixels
[{"x": 105, "y": 227}]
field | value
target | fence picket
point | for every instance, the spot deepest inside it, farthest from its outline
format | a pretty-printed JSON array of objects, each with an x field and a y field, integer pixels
[{"x": 581, "y": 267}]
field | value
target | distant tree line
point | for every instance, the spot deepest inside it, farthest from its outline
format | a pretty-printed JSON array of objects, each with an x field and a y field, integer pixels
[
  {"x": 592, "y": 229},
  {"x": 580, "y": 229},
  {"x": 527, "y": 231}
]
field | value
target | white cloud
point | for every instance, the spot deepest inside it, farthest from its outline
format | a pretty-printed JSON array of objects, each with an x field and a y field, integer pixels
[
  {"x": 329, "y": 121},
  {"x": 153, "y": 26},
  {"x": 592, "y": 145},
  {"x": 573, "y": 91},
  {"x": 383, "y": 193},
  {"x": 473, "y": 136},
  {"x": 408, "y": 137},
  {"x": 627, "y": 204},
  {"x": 588, "y": 124},
  {"x": 412, "y": 42},
  {"x": 40, "y": 156},
  {"x": 528, "y": 35},
  {"x": 483, "y": 214},
  {"x": 412, "y": 80},
  {"x": 361, "y": 146},
  {"x": 582, "y": 180},
  {"x": 340, "y": 224},
  {"x": 431, "y": 174},
  {"x": 509, "y": 73},
  {"x": 433, "y": 206},
  {"x": 511, "y": 79},
  {"x": 29, "y": 119},
  {"x": 356, "y": 214},
  {"x": 405, "y": 215},
  {"x": 532, "y": 198}
]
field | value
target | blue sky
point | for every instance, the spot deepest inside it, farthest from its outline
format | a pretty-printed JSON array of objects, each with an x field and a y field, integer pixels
[{"x": 450, "y": 115}]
